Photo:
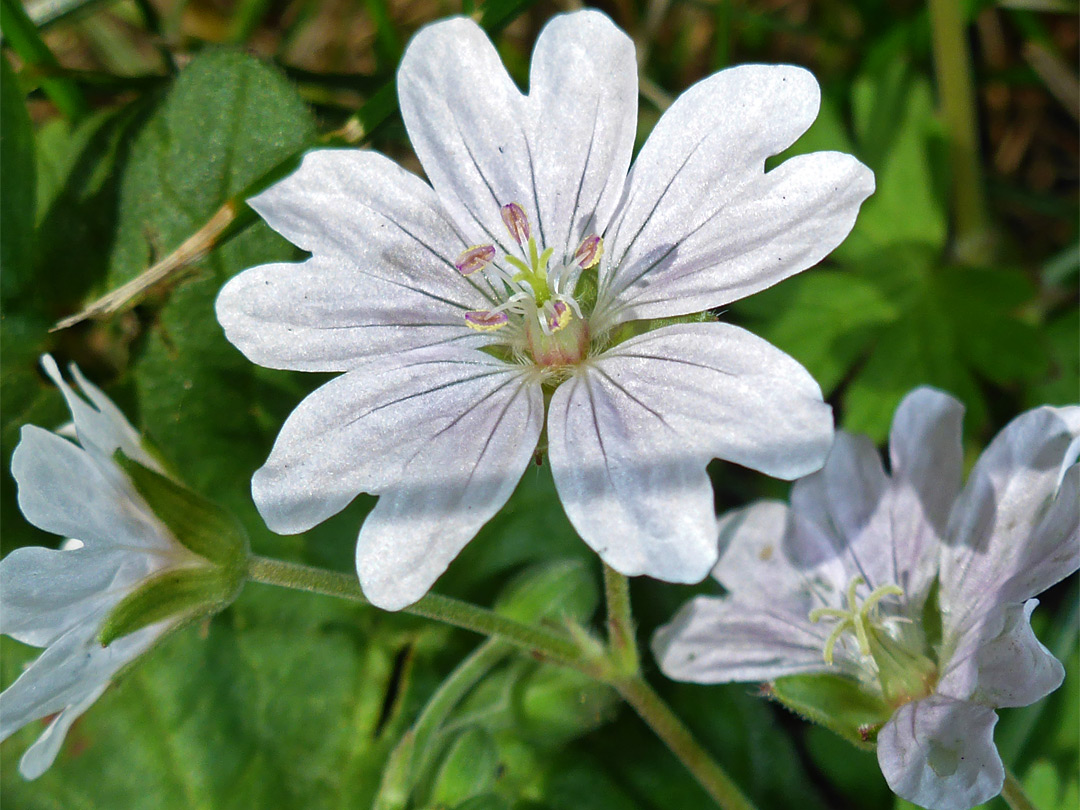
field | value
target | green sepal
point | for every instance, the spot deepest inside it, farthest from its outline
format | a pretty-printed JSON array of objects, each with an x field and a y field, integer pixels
[
  {"x": 199, "y": 525},
  {"x": 838, "y": 703},
  {"x": 183, "y": 593},
  {"x": 632, "y": 329},
  {"x": 554, "y": 705},
  {"x": 470, "y": 767},
  {"x": 557, "y": 591}
]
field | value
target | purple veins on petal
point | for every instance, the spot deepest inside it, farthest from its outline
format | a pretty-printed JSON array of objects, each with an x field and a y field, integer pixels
[
  {"x": 513, "y": 215},
  {"x": 483, "y": 320},
  {"x": 475, "y": 259}
]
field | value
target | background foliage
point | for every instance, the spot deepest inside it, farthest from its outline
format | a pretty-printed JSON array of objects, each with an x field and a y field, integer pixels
[{"x": 125, "y": 125}]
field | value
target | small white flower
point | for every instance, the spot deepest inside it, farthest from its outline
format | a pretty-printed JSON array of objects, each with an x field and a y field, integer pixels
[
  {"x": 59, "y": 599},
  {"x": 518, "y": 279},
  {"x": 851, "y": 577}
]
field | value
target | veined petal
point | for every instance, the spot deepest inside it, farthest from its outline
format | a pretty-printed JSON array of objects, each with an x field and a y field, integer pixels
[
  {"x": 753, "y": 550},
  {"x": 926, "y": 457},
  {"x": 61, "y": 489},
  {"x": 714, "y": 640},
  {"x": 939, "y": 753},
  {"x": 997, "y": 516},
  {"x": 583, "y": 94},
  {"x": 69, "y": 670},
  {"x": 99, "y": 423},
  {"x": 468, "y": 124},
  {"x": 45, "y": 591},
  {"x": 740, "y": 240},
  {"x": 1015, "y": 669},
  {"x": 451, "y": 485},
  {"x": 326, "y": 314},
  {"x": 40, "y": 756},
  {"x": 629, "y": 457},
  {"x": 359, "y": 432}
]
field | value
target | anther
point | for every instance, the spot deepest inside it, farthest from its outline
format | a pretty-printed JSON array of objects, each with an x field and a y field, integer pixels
[
  {"x": 485, "y": 320},
  {"x": 475, "y": 259},
  {"x": 589, "y": 252},
  {"x": 513, "y": 216}
]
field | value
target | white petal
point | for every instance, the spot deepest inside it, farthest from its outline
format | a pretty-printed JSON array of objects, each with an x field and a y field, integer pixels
[
  {"x": 469, "y": 126},
  {"x": 46, "y": 592},
  {"x": 630, "y": 435},
  {"x": 69, "y": 670},
  {"x": 754, "y": 545},
  {"x": 583, "y": 93},
  {"x": 994, "y": 539},
  {"x": 455, "y": 481},
  {"x": 41, "y": 755},
  {"x": 359, "y": 432},
  {"x": 729, "y": 640},
  {"x": 1015, "y": 669},
  {"x": 694, "y": 254},
  {"x": 1001, "y": 663},
  {"x": 62, "y": 490},
  {"x": 939, "y": 753},
  {"x": 927, "y": 457},
  {"x": 327, "y": 314},
  {"x": 100, "y": 424}
]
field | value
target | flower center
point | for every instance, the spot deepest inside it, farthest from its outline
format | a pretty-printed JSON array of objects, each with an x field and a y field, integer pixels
[
  {"x": 536, "y": 296},
  {"x": 904, "y": 673}
]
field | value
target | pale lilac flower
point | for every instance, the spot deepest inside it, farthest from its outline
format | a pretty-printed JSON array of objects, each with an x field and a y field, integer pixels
[
  {"x": 59, "y": 599},
  {"x": 519, "y": 281},
  {"x": 850, "y": 578}
]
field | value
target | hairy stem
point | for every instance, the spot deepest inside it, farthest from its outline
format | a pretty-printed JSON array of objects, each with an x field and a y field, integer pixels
[
  {"x": 658, "y": 716},
  {"x": 620, "y": 622},
  {"x": 1013, "y": 793},
  {"x": 952, "y": 63},
  {"x": 537, "y": 640}
]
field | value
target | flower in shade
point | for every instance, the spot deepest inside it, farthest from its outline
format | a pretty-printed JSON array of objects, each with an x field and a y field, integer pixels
[
  {"x": 122, "y": 579},
  {"x": 915, "y": 587},
  {"x": 524, "y": 283}
]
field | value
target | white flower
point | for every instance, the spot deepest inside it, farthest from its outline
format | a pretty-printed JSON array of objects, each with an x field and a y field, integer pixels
[
  {"x": 849, "y": 580},
  {"x": 458, "y": 310},
  {"x": 59, "y": 600}
]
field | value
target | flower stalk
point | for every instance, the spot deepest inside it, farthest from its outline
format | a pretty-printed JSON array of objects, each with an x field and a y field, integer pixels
[
  {"x": 621, "y": 669},
  {"x": 1013, "y": 793}
]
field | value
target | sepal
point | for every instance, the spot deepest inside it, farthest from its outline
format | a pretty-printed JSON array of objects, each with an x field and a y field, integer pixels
[
  {"x": 838, "y": 703},
  {"x": 182, "y": 594},
  {"x": 199, "y": 525}
]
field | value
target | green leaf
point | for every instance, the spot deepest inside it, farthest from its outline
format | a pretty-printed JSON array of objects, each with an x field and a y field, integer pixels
[
  {"x": 227, "y": 120},
  {"x": 17, "y": 202}
]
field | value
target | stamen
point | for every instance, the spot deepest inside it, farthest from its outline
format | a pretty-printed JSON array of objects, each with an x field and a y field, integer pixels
[
  {"x": 475, "y": 259},
  {"x": 855, "y": 618},
  {"x": 558, "y": 316},
  {"x": 485, "y": 320},
  {"x": 589, "y": 252},
  {"x": 513, "y": 216}
]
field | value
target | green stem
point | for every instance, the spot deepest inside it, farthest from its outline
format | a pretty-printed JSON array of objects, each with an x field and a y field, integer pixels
[
  {"x": 620, "y": 622},
  {"x": 1013, "y": 793},
  {"x": 669, "y": 728},
  {"x": 537, "y": 640},
  {"x": 952, "y": 62},
  {"x": 554, "y": 646},
  {"x": 21, "y": 34},
  {"x": 410, "y": 754}
]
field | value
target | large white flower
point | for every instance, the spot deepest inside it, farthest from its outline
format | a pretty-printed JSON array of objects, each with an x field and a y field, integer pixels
[
  {"x": 61, "y": 599},
  {"x": 919, "y": 589},
  {"x": 522, "y": 277}
]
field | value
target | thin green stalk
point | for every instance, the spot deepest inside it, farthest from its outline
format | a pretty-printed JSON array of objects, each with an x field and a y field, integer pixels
[
  {"x": 952, "y": 63},
  {"x": 409, "y": 755},
  {"x": 651, "y": 708},
  {"x": 1013, "y": 793},
  {"x": 537, "y": 640},
  {"x": 21, "y": 34},
  {"x": 620, "y": 622}
]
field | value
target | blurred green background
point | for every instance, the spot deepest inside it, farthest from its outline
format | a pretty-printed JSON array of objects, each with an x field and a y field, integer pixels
[{"x": 124, "y": 126}]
